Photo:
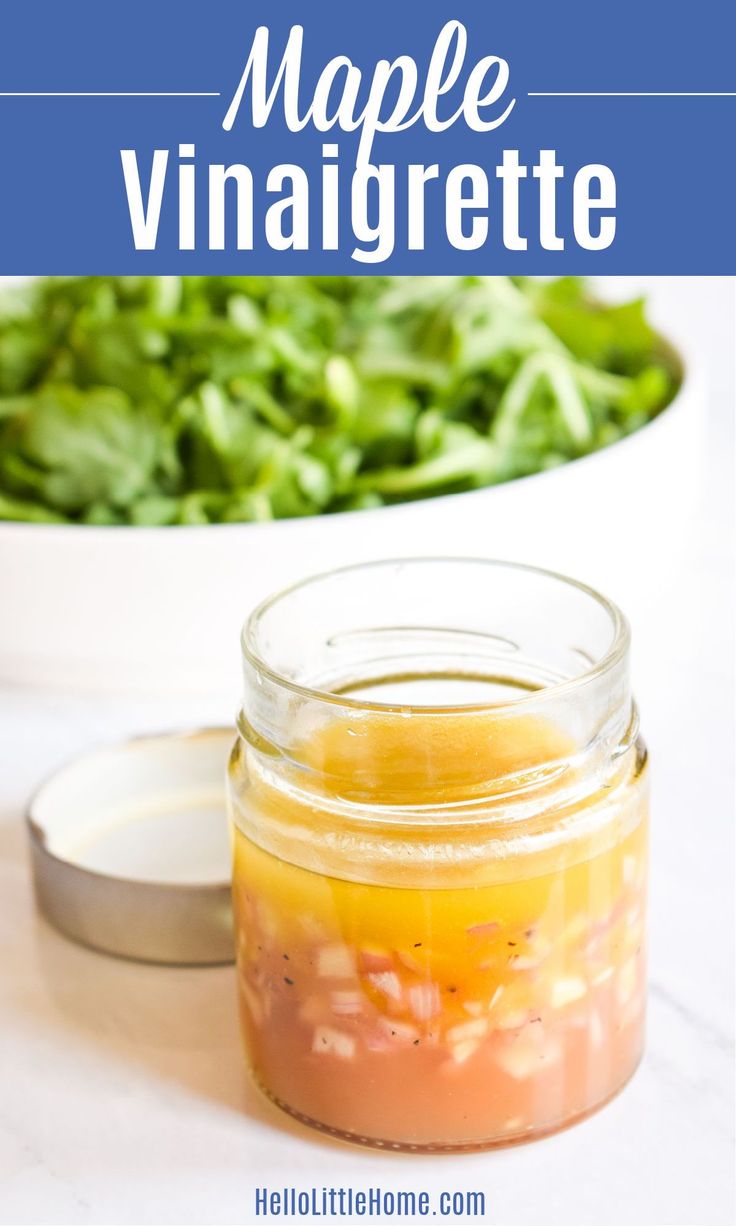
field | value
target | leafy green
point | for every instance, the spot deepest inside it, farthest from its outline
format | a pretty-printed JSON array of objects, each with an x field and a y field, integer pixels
[{"x": 191, "y": 400}]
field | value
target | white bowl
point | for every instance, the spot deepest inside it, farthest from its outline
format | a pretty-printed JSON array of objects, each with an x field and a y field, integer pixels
[{"x": 159, "y": 610}]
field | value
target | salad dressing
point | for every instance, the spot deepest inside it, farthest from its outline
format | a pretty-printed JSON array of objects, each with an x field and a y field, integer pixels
[{"x": 421, "y": 963}]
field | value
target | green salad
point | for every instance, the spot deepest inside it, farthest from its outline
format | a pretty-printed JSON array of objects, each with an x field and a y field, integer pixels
[{"x": 196, "y": 400}]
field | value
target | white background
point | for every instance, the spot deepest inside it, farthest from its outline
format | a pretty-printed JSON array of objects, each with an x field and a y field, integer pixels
[{"x": 123, "y": 1093}]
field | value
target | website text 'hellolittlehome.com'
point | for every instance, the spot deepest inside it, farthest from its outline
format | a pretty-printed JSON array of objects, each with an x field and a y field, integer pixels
[{"x": 346, "y": 1202}]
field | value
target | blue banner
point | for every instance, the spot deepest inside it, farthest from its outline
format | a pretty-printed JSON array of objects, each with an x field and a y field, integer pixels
[{"x": 439, "y": 137}]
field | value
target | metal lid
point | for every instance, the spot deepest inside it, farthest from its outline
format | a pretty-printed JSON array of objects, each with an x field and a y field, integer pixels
[{"x": 131, "y": 852}]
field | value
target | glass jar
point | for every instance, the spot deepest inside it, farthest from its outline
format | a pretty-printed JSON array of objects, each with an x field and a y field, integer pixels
[{"x": 439, "y": 804}]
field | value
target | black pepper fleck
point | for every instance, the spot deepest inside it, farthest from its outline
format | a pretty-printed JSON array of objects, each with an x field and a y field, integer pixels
[{"x": 289, "y": 981}]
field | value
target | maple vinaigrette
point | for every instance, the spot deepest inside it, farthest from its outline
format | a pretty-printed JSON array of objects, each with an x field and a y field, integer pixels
[{"x": 438, "y": 799}]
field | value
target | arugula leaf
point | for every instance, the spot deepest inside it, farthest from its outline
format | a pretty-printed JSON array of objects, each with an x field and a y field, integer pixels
[
  {"x": 158, "y": 401},
  {"x": 78, "y": 448}
]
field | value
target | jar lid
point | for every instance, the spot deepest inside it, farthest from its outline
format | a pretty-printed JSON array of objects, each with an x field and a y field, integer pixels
[{"x": 130, "y": 849}]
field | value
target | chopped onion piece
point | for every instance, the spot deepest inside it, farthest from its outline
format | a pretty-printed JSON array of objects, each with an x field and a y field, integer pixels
[
  {"x": 331, "y": 1042},
  {"x": 312, "y": 928},
  {"x": 484, "y": 930},
  {"x": 566, "y": 990},
  {"x": 374, "y": 958},
  {"x": 513, "y": 1020},
  {"x": 496, "y": 996},
  {"x": 267, "y": 922},
  {"x": 626, "y": 982},
  {"x": 596, "y": 1029},
  {"x": 346, "y": 1004},
  {"x": 402, "y": 1032},
  {"x": 424, "y": 1001},
  {"x": 461, "y": 1052},
  {"x": 575, "y": 928},
  {"x": 632, "y": 1010},
  {"x": 522, "y": 962},
  {"x": 525, "y": 1056},
  {"x": 602, "y": 976},
  {"x": 467, "y": 1030},
  {"x": 542, "y": 948},
  {"x": 378, "y": 1041},
  {"x": 388, "y": 983},
  {"x": 335, "y": 962},
  {"x": 253, "y": 1001}
]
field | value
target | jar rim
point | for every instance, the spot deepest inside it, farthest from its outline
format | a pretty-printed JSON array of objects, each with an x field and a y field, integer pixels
[{"x": 609, "y": 660}]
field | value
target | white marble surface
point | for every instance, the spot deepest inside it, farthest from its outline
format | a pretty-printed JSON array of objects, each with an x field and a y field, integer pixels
[{"x": 123, "y": 1097}]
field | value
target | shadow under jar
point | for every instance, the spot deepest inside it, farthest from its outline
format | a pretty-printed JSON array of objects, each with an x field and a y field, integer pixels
[{"x": 439, "y": 801}]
